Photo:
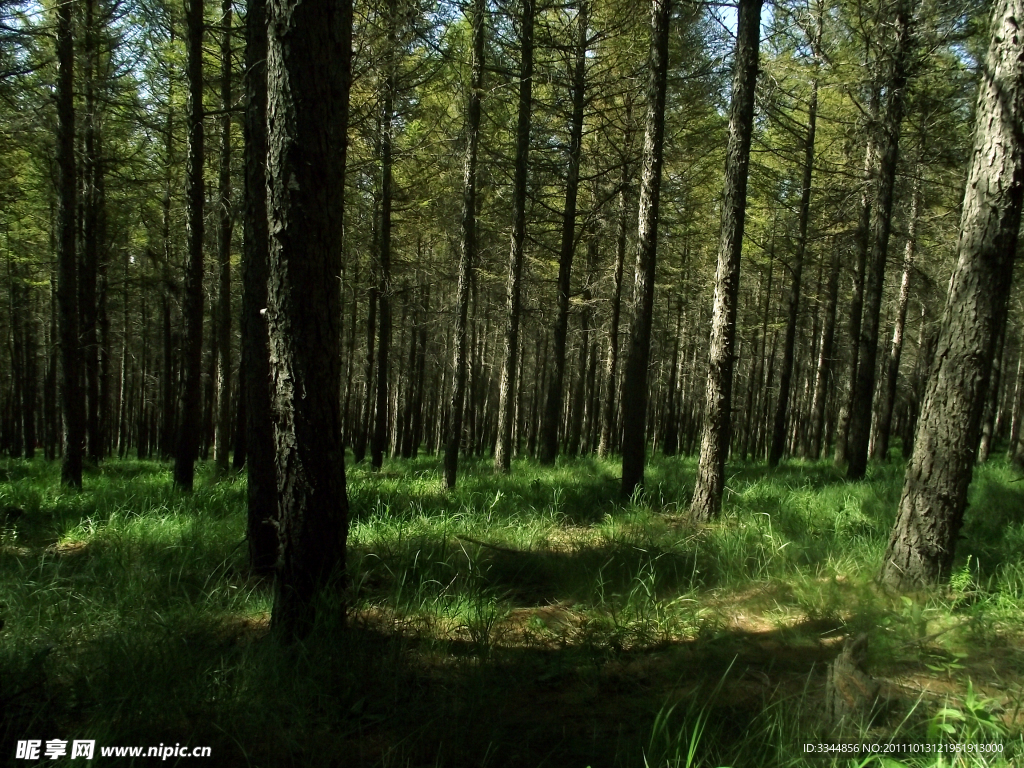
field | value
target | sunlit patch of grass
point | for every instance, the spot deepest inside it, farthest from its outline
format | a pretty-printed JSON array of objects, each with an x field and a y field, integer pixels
[{"x": 486, "y": 623}]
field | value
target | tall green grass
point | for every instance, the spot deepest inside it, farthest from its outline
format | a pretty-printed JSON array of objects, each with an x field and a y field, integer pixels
[{"x": 530, "y": 619}]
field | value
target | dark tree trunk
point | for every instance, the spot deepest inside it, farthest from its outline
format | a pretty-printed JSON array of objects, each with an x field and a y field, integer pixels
[
  {"x": 261, "y": 493},
  {"x": 634, "y": 385},
  {"x": 190, "y": 414},
  {"x": 887, "y": 397},
  {"x": 90, "y": 245},
  {"x": 612, "y": 359},
  {"x": 707, "y": 498},
  {"x": 510, "y": 360},
  {"x": 223, "y": 322},
  {"x": 366, "y": 419},
  {"x": 857, "y": 300},
  {"x": 881, "y": 225},
  {"x": 308, "y": 78},
  {"x": 988, "y": 422},
  {"x": 923, "y": 540},
  {"x": 796, "y": 267},
  {"x": 467, "y": 254},
  {"x": 553, "y": 406},
  {"x": 71, "y": 394},
  {"x": 378, "y": 443},
  {"x": 823, "y": 370}
]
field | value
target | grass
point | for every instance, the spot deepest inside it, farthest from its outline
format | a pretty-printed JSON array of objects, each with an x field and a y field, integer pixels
[{"x": 528, "y": 620}]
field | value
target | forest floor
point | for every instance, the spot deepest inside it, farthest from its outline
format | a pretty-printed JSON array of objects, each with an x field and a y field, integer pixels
[{"x": 530, "y": 620}]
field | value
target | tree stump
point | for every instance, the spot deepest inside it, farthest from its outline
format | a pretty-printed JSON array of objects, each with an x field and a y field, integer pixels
[{"x": 850, "y": 692}]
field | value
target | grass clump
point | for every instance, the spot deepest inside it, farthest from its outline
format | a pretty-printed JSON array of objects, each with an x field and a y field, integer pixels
[{"x": 522, "y": 620}]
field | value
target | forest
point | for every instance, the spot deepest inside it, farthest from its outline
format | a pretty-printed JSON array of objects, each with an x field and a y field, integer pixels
[{"x": 512, "y": 383}]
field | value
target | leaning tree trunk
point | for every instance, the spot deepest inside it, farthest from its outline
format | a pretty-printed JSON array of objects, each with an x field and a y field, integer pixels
[
  {"x": 69, "y": 380},
  {"x": 506, "y": 388},
  {"x": 707, "y": 498},
  {"x": 881, "y": 225},
  {"x": 923, "y": 540},
  {"x": 634, "y": 384},
  {"x": 190, "y": 415},
  {"x": 556, "y": 386},
  {"x": 223, "y": 441},
  {"x": 259, "y": 427},
  {"x": 308, "y": 78}
]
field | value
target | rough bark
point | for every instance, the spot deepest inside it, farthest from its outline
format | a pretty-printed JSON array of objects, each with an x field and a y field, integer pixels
[
  {"x": 255, "y": 367},
  {"x": 510, "y": 359},
  {"x": 634, "y": 384},
  {"x": 190, "y": 414},
  {"x": 923, "y": 540},
  {"x": 308, "y": 79},
  {"x": 707, "y": 498}
]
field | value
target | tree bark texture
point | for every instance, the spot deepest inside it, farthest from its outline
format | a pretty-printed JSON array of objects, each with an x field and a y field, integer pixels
[
  {"x": 259, "y": 428},
  {"x": 923, "y": 540},
  {"x": 707, "y": 499},
  {"x": 308, "y": 78}
]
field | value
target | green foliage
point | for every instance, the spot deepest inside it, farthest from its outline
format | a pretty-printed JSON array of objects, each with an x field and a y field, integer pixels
[{"x": 521, "y": 619}]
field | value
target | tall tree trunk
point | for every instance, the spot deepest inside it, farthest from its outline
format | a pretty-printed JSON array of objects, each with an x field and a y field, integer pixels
[
  {"x": 612, "y": 358},
  {"x": 707, "y": 498},
  {"x": 796, "y": 267},
  {"x": 90, "y": 245},
  {"x": 881, "y": 225},
  {"x": 988, "y": 422},
  {"x": 923, "y": 540},
  {"x": 887, "y": 397},
  {"x": 190, "y": 413},
  {"x": 380, "y": 427},
  {"x": 223, "y": 443},
  {"x": 261, "y": 494},
  {"x": 308, "y": 77},
  {"x": 366, "y": 418},
  {"x": 859, "y": 270},
  {"x": 71, "y": 394},
  {"x": 1018, "y": 405},
  {"x": 467, "y": 254},
  {"x": 510, "y": 359},
  {"x": 823, "y": 370},
  {"x": 553, "y": 407},
  {"x": 634, "y": 385}
]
